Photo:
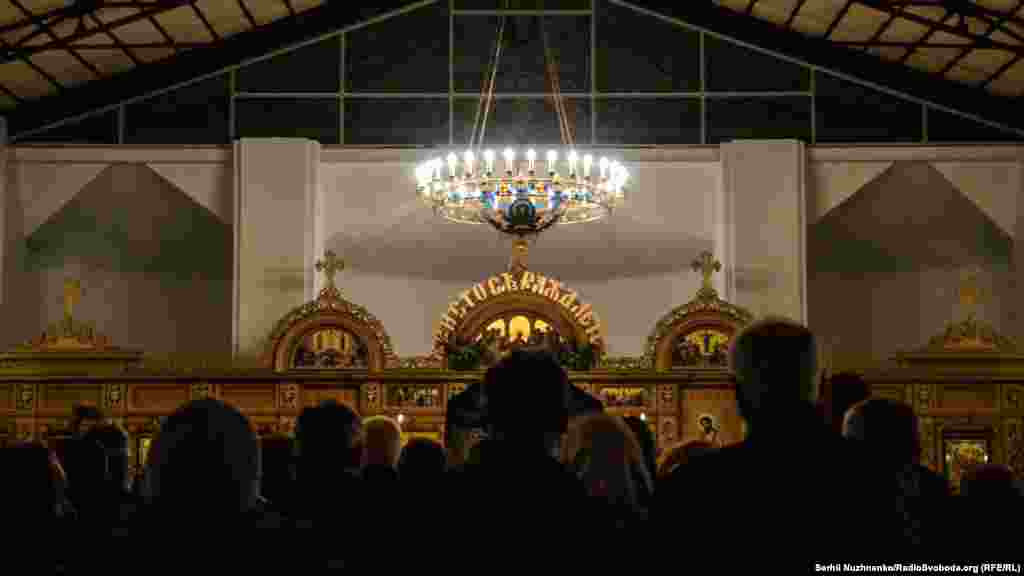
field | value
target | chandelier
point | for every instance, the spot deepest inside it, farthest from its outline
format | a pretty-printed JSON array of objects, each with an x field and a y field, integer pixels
[
  {"x": 523, "y": 195},
  {"x": 520, "y": 199}
]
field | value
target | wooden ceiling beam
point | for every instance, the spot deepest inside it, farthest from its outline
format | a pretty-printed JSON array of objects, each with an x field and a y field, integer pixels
[
  {"x": 792, "y": 14},
  {"x": 839, "y": 17},
  {"x": 117, "y": 42},
  {"x": 7, "y": 92},
  {"x": 980, "y": 41},
  {"x": 288, "y": 5},
  {"x": 206, "y": 23},
  {"x": 923, "y": 41},
  {"x": 750, "y": 7},
  {"x": 60, "y": 42},
  {"x": 248, "y": 14},
  {"x": 164, "y": 6},
  {"x": 992, "y": 27},
  {"x": 6, "y": 48},
  {"x": 163, "y": 32},
  {"x": 1002, "y": 70}
]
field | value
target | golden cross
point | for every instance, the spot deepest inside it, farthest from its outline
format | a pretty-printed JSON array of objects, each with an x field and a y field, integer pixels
[
  {"x": 970, "y": 293},
  {"x": 330, "y": 266},
  {"x": 706, "y": 265},
  {"x": 72, "y": 293}
]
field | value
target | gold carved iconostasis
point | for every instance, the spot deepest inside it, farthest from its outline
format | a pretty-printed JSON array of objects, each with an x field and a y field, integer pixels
[
  {"x": 694, "y": 339},
  {"x": 967, "y": 386},
  {"x": 333, "y": 349}
]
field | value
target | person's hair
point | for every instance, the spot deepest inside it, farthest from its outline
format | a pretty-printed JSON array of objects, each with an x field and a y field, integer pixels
[
  {"x": 774, "y": 360},
  {"x": 989, "y": 480},
  {"x": 606, "y": 454},
  {"x": 527, "y": 393},
  {"x": 889, "y": 427},
  {"x": 328, "y": 434},
  {"x": 382, "y": 442},
  {"x": 206, "y": 459},
  {"x": 422, "y": 458},
  {"x": 680, "y": 454},
  {"x": 645, "y": 437},
  {"x": 81, "y": 413},
  {"x": 842, "y": 392}
]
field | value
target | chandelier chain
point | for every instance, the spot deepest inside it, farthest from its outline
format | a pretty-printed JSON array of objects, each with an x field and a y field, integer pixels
[{"x": 486, "y": 102}]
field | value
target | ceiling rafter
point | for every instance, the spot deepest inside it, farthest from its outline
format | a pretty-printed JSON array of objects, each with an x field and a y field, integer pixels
[
  {"x": 130, "y": 46},
  {"x": 980, "y": 42},
  {"x": 164, "y": 6},
  {"x": 750, "y": 7},
  {"x": 206, "y": 23},
  {"x": 839, "y": 17},
  {"x": 288, "y": 5},
  {"x": 163, "y": 32},
  {"x": 923, "y": 41},
  {"x": 7, "y": 92},
  {"x": 117, "y": 41},
  {"x": 992, "y": 27},
  {"x": 792, "y": 14},
  {"x": 7, "y": 49},
  {"x": 60, "y": 42},
  {"x": 1002, "y": 70},
  {"x": 247, "y": 13}
]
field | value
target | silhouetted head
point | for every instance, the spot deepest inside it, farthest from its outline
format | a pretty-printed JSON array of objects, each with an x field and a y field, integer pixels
[
  {"x": 34, "y": 483},
  {"x": 422, "y": 458},
  {"x": 842, "y": 392},
  {"x": 382, "y": 442},
  {"x": 645, "y": 437},
  {"x": 989, "y": 480},
  {"x": 605, "y": 453},
  {"x": 775, "y": 364},
  {"x": 114, "y": 442},
  {"x": 888, "y": 428},
  {"x": 204, "y": 461},
  {"x": 679, "y": 455},
  {"x": 328, "y": 437},
  {"x": 83, "y": 418},
  {"x": 527, "y": 396}
]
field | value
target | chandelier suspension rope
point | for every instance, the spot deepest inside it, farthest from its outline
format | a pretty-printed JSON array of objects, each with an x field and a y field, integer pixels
[
  {"x": 529, "y": 197},
  {"x": 487, "y": 100},
  {"x": 556, "y": 88}
]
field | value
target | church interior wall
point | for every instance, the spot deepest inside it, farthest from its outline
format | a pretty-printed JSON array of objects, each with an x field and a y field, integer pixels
[
  {"x": 894, "y": 233},
  {"x": 405, "y": 265},
  {"x": 147, "y": 232}
]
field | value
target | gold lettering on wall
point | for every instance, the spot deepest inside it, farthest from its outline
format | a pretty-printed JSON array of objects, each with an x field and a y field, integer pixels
[
  {"x": 527, "y": 282},
  {"x": 493, "y": 287}
]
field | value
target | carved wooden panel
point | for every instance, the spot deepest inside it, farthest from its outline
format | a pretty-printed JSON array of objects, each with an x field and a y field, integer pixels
[
  {"x": 288, "y": 394},
  {"x": 256, "y": 396},
  {"x": 720, "y": 405},
  {"x": 1013, "y": 397},
  {"x": 114, "y": 397},
  {"x": 61, "y": 397},
  {"x": 1013, "y": 429},
  {"x": 158, "y": 396},
  {"x": 966, "y": 397},
  {"x": 371, "y": 397},
  {"x": 408, "y": 396},
  {"x": 923, "y": 399},
  {"x": 314, "y": 395},
  {"x": 896, "y": 392},
  {"x": 201, "y": 391},
  {"x": 25, "y": 396},
  {"x": 929, "y": 445},
  {"x": 666, "y": 398},
  {"x": 636, "y": 397}
]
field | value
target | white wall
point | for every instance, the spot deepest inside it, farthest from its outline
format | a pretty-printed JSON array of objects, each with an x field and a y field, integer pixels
[
  {"x": 147, "y": 232},
  {"x": 405, "y": 265},
  {"x": 928, "y": 217}
]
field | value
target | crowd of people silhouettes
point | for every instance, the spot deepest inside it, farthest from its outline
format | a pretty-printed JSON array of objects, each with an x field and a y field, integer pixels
[{"x": 813, "y": 478}]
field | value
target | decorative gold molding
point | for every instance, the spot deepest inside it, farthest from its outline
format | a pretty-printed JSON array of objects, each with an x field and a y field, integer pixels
[{"x": 705, "y": 302}]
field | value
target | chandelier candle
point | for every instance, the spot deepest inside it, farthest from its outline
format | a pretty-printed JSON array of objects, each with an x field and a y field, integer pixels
[{"x": 521, "y": 201}]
